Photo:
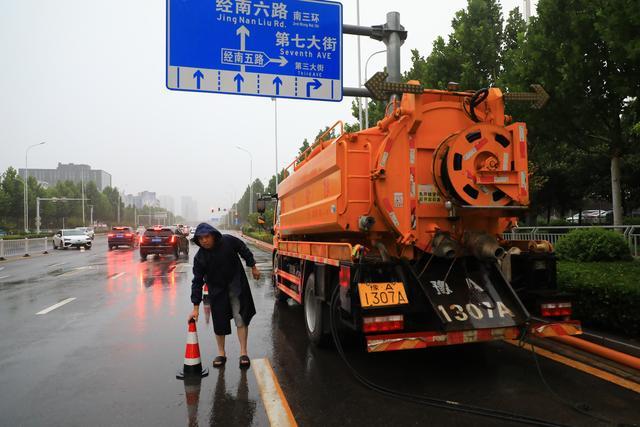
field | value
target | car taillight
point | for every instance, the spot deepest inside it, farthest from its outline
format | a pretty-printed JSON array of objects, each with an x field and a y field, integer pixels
[
  {"x": 173, "y": 238},
  {"x": 111, "y": 235},
  {"x": 383, "y": 323},
  {"x": 127, "y": 235},
  {"x": 345, "y": 276},
  {"x": 141, "y": 239},
  {"x": 552, "y": 309}
]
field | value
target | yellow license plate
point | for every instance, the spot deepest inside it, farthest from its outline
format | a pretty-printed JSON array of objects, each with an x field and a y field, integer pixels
[{"x": 382, "y": 294}]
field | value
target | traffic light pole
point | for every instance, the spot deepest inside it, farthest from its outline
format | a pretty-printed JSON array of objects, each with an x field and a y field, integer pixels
[
  {"x": 393, "y": 35},
  {"x": 53, "y": 199}
]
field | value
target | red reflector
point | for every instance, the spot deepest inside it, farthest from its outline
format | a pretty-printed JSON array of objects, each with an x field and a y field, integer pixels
[
  {"x": 345, "y": 276},
  {"x": 383, "y": 323},
  {"x": 553, "y": 309}
]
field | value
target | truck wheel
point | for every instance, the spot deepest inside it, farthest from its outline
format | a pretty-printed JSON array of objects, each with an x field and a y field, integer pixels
[
  {"x": 277, "y": 293},
  {"x": 315, "y": 314}
]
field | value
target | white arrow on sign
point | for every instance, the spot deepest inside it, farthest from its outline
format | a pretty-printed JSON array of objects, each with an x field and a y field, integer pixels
[
  {"x": 243, "y": 32},
  {"x": 282, "y": 61}
]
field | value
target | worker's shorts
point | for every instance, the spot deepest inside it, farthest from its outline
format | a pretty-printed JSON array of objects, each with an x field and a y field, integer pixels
[{"x": 222, "y": 324}]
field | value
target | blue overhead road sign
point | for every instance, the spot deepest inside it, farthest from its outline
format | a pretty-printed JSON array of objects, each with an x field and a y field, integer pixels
[{"x": 274, "y": 48}]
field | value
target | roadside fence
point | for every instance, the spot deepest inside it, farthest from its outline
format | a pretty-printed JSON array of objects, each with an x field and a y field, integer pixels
[
  {"x": 631, "y": 234},
  {"x": 23, "y": 247}
]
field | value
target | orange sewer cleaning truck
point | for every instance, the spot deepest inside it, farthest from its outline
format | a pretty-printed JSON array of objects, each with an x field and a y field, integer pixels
[{"x": 402, "y": 225}]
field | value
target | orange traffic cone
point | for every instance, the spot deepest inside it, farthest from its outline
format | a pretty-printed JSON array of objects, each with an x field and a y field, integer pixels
[
  {"x": 205, "y": 293},
  {"x": 192, "y": 363}
]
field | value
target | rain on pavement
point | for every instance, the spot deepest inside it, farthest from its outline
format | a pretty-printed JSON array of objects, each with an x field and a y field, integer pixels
[{"x": 109, "y": 357}]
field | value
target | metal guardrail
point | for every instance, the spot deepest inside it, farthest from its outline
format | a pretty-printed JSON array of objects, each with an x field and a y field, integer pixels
[
  {"x": 23, "y": 247},
  {"x": 552, "y": 234}
]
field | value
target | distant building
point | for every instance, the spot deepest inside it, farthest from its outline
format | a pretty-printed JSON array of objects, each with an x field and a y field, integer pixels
[
  {"x": 167, "y": 202},
  {"x": 189, "y": 208},
  {"x": 143, "y": 198},
  {"x": 70, "y": 172}
]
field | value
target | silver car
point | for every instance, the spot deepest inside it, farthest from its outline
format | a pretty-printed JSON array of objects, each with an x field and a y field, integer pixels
[{"x": 70, "y": 238}]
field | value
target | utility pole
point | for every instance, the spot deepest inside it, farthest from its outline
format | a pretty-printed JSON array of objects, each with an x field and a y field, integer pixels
[
  {"x": 91, "y": 221},
  {"x": 275, "y": 107},
  {"x": 119, "y": 201},
  {"x": 82, "y": 173}
]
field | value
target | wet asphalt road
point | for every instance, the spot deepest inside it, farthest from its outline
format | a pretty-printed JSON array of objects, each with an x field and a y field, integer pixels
[{"x": 109, "y": 357}]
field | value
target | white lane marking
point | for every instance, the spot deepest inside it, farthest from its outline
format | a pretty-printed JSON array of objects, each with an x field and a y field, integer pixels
[
  {"x": 275, "y": 403},
  {"x": 53, "y": 307},
  {"x": 4, "y": 277},
  {"x": 1, "y": 268},
  {"x": 115, "y": 276}
]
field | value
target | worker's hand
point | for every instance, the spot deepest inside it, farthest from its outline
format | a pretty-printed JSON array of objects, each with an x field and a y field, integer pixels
[
  {"x": 194, "y": 314},
  {"x": 255, "y": 272}
]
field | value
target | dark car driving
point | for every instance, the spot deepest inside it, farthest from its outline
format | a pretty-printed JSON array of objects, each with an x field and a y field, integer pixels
[
  {"x": 163, "y": 240},
  {"x": 121, "y": 236}
]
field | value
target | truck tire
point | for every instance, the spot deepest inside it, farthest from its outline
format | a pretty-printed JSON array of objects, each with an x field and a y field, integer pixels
[
  {"x": 277, "y": 293},
  {"x": 316, "y": 314}
]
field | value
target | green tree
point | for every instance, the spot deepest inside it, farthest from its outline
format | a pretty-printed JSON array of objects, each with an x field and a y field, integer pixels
[{"x": 587, "y": 56}]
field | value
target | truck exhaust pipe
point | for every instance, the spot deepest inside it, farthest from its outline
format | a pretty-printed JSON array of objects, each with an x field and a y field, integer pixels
[{"x": 483, "y": 246}]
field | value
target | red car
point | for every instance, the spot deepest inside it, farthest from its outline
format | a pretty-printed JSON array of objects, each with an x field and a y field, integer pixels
[{"x": 121, "y": 236}]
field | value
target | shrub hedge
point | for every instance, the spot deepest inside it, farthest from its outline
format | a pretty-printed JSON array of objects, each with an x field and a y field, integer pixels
[
  {"x": 258, "y": 234},
  {"x": 607, "y": 294},
  {"x": 593, "y": 244}
]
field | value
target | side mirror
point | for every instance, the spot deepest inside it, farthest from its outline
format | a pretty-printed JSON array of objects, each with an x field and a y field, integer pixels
[{"x": 261, "y": 206}]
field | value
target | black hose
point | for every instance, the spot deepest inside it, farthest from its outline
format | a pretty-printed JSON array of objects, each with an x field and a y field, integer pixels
[
  {"x": 476, "y": 99},
  {"x": 424, "y": 400}
]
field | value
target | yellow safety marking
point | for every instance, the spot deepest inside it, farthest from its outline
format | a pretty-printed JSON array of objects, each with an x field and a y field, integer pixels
[
  {"x": 275, "y": 403},
  {"x": 622, "y": 382}
]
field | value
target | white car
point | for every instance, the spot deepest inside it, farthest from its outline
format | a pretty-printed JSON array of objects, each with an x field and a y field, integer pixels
[
  {"x": 69, "y": 238},
  {"x": 88, "y": 231}
]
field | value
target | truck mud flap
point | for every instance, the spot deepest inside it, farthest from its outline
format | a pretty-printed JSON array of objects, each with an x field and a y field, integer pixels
[{"x": 467, "y": 294}]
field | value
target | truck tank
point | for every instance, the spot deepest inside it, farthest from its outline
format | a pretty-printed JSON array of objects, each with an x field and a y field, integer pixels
[{"x": 444, "y": 173}]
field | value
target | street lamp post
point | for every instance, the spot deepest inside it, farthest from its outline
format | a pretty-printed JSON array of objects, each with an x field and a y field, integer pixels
[
  {"x": 250, "y": 177},
  {"x": 366, "y": 103},
  {"x": 26, "y": 186}
]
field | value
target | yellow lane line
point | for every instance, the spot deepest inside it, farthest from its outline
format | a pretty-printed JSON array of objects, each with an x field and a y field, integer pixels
[
  {"x": 622, "y": 382},
  {"x": 275, "y": 403}
]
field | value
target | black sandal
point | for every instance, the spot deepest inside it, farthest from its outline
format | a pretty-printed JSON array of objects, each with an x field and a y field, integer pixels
[
  {"x": 245, "y": 362},
  {"x": 219, "y": 361}
]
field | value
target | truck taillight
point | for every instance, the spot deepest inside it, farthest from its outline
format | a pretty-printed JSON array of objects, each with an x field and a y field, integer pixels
[
  {"x": 383, "y": 323},
  {"x": 552, "y": 309},
  {"x": 345, "y": 276}
]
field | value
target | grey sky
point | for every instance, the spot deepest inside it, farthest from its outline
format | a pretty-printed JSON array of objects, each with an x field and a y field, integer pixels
[{"x": 88, "y": 77}]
